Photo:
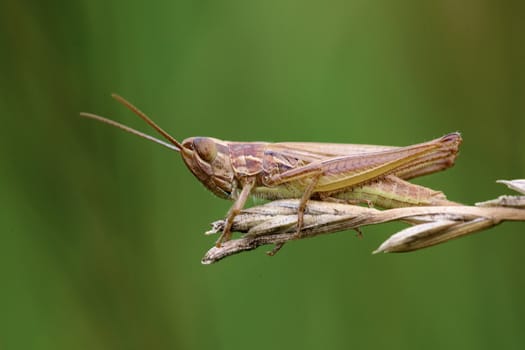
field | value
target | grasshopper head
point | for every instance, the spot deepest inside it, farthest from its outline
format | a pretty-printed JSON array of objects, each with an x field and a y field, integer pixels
[{"x": 208, "y": 159}]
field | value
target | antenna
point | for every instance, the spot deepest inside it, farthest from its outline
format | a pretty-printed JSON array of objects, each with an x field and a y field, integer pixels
[
  {"x": 130, "y": 130},
  {"x": 173, "y": 143}
]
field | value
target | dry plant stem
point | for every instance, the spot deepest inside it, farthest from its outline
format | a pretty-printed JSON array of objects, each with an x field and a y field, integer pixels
[{"x": 274, "y": 223}]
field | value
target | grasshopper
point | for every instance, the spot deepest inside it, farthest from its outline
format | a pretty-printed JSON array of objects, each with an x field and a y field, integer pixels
[{"x": 323, "y": 171}]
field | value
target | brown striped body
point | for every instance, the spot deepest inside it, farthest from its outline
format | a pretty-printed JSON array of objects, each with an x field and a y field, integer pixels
[{"x": 235, "y": 163}]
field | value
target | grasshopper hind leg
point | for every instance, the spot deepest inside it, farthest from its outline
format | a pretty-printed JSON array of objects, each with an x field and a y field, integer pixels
[{"x": 327, "y": 198}]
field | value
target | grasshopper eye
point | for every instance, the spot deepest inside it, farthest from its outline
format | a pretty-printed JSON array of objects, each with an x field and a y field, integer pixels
[
  {"x": 206, "y": 148},
  {"x": 188, "y": 144}
]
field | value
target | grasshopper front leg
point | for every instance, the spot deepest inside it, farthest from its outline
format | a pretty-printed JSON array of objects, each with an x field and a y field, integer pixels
[{"x": 234, "y": 211}]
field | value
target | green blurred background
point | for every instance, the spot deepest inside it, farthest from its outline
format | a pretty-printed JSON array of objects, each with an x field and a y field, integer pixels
[{"x": 101, "y": 233}]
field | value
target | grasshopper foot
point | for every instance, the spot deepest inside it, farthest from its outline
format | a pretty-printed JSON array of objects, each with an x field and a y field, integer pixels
[
  {"x": 275, "y": 249},
  {"x": 225, "y": 236}
]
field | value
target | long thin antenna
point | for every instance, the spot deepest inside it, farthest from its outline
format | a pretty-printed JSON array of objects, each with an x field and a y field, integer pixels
[
  {"x": 147, "y": 120},
  {"x": 130, "y": 130}
]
